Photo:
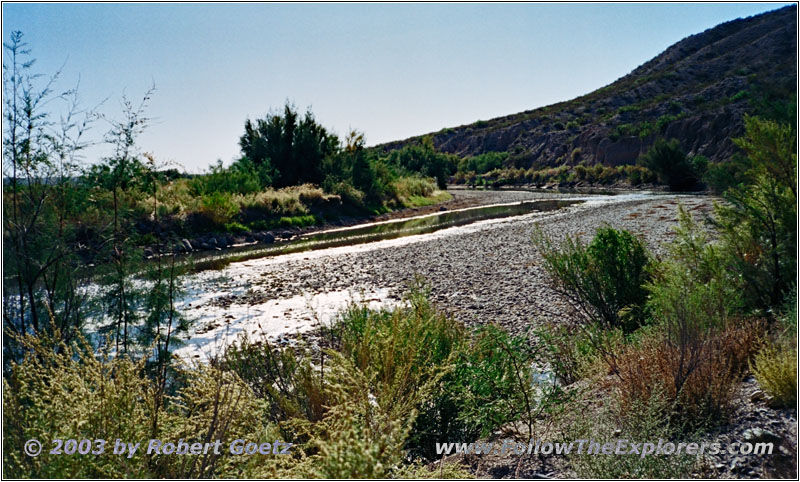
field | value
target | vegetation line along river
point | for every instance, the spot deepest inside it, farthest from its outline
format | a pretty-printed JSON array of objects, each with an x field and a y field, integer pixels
[{"x": 377, "y": 231}]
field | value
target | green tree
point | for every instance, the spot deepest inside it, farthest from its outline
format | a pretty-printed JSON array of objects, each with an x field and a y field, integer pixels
[
  {"x": 293, "y": 147},
  {"x": 759, "y": 222},
  {"x": 669, "y": 162},
  {"x": 424, "y": 159},
  {"x": 121, "y": 174},
  {"x": 40, "y": 199}
]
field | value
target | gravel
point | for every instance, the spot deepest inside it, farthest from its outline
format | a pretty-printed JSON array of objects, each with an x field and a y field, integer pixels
[{"x": 487, "y": 275}]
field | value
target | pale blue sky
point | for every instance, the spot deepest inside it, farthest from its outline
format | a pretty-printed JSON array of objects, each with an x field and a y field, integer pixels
[{"x": 389, "y": 70}]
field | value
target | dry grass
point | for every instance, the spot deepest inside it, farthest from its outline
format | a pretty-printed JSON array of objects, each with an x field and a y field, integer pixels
[{"x": 775, "y": 368}]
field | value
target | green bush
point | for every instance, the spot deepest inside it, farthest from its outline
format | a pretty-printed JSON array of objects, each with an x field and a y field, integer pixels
[
  {"x": 460, "y": 387},
  {"x": 424, "y": 159},
  {"x": 758, "y": 224},
  {"x": 241, "y": 178},
  {"x": 605, "y": 279},
  {"x": 219, "y": 208},
  {"x": 668, "y": 161},
  {"x": 483, "y": 163},
  {"x": 696, "y": 276}
]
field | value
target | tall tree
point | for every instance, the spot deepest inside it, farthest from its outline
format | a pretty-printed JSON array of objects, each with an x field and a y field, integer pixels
[
  {"x": 40, "y": 160},
  {"x": 295, "y": 148}
]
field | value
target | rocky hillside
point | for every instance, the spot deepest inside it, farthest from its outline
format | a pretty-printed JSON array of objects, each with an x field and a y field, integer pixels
[{"x": 696, "y": 91}]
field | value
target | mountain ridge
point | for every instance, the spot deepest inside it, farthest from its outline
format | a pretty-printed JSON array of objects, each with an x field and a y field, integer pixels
[{"x": 697, "y": 91}]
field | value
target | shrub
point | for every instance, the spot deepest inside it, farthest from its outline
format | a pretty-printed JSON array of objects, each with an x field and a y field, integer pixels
[
  {"x": 408, "y": 186},
  {"x": 577, "y": 352},
  {"x": 423, "y": 158},
  {"x": 241, "y": 178},
  {"x": 759, "y": 222},
  {"x": 645, "y": 129},
  {"x": 74, "y": 395},
  {"x": 236, "y": 228},
  {"x": 219, "y": 208},
  {"x": 638, "y": 175},
  {"x": 694, "y": 368},
  {"x": 665, "y": 120},
  {"x": 697, "y": 277},
  {"x": 605, "y": 279},
  {"x": 483, "y": 162},
  {"x": 459, "y": 389},
  {"x": 667, "y": 160},
  {"x": 628, "y": 108},
  {"x": 775, "y": 369},
  {"x": 492, "y": 381},
  {"x": 642, "y": 423},
  {"x": 298, "y": 221},
  {"x": 345, "y": 191},
  {"x": 698, "y": 346}
]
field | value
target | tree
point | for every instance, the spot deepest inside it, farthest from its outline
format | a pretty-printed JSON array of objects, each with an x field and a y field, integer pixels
[
  {"x": 121, "y": 173},
  {"x": 669, "y": 162},
  {"x": 424, "y": 159},
  {"x": 294, "y": 149},
  {"x": 759, "y": 223},
  {"x": 40, "y": 160}
]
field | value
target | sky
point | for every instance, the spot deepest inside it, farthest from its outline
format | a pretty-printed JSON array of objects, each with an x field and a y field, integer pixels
[{"x": 391, "y": 71}]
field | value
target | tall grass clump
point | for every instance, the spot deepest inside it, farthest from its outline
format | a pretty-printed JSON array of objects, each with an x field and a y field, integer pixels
[
  {"x": 775, "y": 369},
  {"x": 775, "y": 366}
]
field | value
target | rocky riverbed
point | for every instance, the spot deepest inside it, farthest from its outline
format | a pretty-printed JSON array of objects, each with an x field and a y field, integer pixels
[{"x": 486, "y": 272}]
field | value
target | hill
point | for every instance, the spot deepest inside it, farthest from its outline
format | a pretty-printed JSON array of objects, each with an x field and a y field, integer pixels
[{"x": 696, "y": 91}]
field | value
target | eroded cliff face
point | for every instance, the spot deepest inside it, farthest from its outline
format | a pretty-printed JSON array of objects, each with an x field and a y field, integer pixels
[{"x": 697, "y": 91}]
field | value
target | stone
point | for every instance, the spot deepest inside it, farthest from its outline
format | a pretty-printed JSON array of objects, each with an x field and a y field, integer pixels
[
  {"x": 187, "y": 245},
  {"x": 755, "y": 435},
  {"x": 265, "y": 237}
]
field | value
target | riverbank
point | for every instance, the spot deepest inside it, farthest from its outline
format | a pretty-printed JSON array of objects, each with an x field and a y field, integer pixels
[{"x": 455, "y": 198}]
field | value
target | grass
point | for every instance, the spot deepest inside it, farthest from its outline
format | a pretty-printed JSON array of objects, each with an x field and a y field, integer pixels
[
  {"x": 435, "y": 198},
  {"x": 179, "y": 207}
]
